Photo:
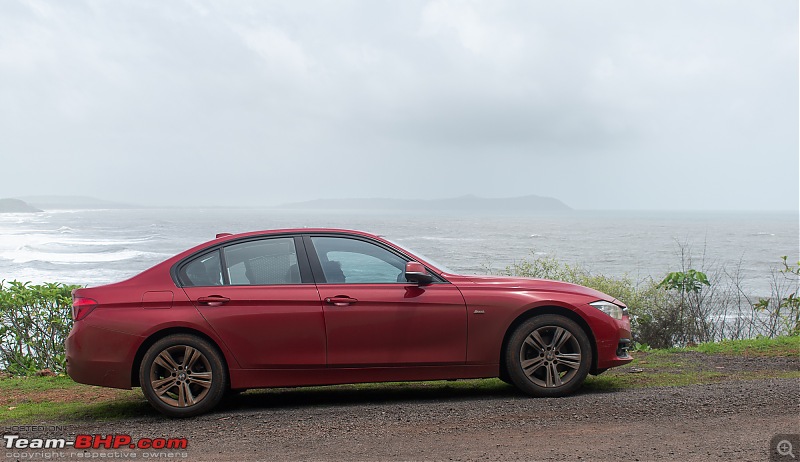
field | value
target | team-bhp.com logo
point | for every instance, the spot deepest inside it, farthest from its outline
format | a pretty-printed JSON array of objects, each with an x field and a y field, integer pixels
[{"x": 94, "y": 442}]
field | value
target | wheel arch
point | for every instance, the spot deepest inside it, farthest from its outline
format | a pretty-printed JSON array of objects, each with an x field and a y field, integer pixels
[
  {"x": 156, "y": 336},
  {"x": 543, "y": 310}
]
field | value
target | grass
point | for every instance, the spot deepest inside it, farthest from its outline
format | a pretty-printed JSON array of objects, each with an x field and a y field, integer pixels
[
  {"x": 674, "y": 367},
  {"x": 656, "y": 379},
  {"x": 25, "y": 400},
  {"x": 59, "y": 398},
  {"x": 49, "y": 411},
  {"x": 32, "y": 383},
  {"x": 780, "y": 346}
]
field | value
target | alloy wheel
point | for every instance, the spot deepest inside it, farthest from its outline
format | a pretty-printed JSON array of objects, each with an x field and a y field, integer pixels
[
  {"x": 550, "y": 356},
  {"x": 181, "y": 376}
]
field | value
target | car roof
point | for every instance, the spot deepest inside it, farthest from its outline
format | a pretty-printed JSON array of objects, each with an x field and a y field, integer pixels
[{"x": 231, "y": 236}]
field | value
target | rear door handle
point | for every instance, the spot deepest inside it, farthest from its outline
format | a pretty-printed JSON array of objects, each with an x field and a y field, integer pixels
[
  {"x": 213, "y": 300},
  {"x": 340, "y": 300}
]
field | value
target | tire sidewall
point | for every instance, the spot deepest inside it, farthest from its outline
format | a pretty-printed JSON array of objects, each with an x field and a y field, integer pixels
[
  {"x": 218, "y": 370},
  {"x": 512, "y": 357}
]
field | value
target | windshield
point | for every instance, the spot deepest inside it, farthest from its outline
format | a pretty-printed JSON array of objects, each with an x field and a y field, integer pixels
[{"x": 427, "y": 259}]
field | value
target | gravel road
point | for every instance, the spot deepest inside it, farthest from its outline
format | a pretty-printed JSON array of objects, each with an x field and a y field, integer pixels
[
  {"x": 727, "y": 421},
  {"x": 731, "y": 420}
]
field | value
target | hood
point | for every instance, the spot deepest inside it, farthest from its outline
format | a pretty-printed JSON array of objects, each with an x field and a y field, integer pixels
[{"x": 538, "y": 285}]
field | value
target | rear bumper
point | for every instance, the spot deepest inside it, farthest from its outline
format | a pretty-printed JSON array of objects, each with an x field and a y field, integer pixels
[{"x": 97, "y": 356}]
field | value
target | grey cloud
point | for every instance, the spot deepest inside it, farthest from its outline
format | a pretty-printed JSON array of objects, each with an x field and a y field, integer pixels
[{"x": 481, "y": 94}]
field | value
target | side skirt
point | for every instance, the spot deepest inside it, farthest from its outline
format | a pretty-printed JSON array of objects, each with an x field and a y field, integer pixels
[{"x": 270, "y": 378}]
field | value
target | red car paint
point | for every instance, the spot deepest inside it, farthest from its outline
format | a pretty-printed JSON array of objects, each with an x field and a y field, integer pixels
[{"x": 308, "y": 333}]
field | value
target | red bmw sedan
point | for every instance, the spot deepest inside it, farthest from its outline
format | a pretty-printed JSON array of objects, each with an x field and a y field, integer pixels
[{"x": 306, "y": 307}]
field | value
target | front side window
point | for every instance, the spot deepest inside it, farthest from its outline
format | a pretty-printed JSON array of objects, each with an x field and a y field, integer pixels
[
  {"x": 353, "y": 261},
  {"x": 204, "y": 270},
  {"x": 262, "y": 262}
]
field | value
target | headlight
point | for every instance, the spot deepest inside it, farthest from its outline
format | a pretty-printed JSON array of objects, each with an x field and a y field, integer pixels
[{"x": 609, "y": 308}]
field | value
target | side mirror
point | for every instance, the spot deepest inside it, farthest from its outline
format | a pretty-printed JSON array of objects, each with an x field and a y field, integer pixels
[{"x": 416, "y": 272}]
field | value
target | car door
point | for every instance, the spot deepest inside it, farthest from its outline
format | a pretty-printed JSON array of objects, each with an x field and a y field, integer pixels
[
  {"x": 373, "y": 317},
  {"x": 259, "y": 297}
]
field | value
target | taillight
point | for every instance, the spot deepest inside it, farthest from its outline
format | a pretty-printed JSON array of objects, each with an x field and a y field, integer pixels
[{"x": 81, "y": 307}]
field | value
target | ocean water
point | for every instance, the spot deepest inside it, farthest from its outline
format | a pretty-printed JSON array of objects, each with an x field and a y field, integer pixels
[{"x": 94, "y": 247}]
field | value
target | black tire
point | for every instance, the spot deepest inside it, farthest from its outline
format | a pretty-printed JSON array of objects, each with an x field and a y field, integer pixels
[
  {"x": 548, "y": 355},
  {"x": 504, "y": 375},
  {"x": 183, "y": 375}
]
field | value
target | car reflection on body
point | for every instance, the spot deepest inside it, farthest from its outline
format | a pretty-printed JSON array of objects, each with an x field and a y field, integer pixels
[{"x": 323, "y": 306}]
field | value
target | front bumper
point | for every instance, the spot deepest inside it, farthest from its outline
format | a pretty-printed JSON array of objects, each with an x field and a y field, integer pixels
[{"x": 612, "y": 349}]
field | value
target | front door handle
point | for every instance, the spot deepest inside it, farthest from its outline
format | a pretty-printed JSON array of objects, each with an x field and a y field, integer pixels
[
  {"x": 213, "y": 300},
  {"x": 340, "y": 300}
]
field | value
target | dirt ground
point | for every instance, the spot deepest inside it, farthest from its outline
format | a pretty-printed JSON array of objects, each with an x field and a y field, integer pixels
[{"x": 729, "y": 420}]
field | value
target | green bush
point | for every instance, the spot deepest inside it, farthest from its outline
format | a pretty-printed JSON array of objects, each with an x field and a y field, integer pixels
[
  {"x": 648, "y": 321},
  {"x": 34, "y": 322},
  {"x": 686, "y": 307},
  {"x": 783, "y": 307}
]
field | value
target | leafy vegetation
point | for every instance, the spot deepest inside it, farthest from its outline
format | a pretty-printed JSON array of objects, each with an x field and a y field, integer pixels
[
  {"x": 687, "y": 307},
  {"x": 784, "y": 309},
  {"x": 34, "y": 322}
]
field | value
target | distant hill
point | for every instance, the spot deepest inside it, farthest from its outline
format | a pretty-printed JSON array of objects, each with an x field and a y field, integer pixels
[
  {"x": 72, "y": 202},
  {"x": 469, "y": 203},
  {"x": 16, "y": 206}
]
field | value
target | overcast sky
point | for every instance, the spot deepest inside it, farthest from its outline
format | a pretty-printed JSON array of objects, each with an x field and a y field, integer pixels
[{"x": 604, "y": 105}]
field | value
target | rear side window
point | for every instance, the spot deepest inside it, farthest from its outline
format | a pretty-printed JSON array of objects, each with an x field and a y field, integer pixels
[
  {"x": 204, "y": 270},
  {"x": 262, "y": 262}
]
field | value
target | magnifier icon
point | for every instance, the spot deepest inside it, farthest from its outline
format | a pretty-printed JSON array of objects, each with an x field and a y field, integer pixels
[{"x": 785, "y": 448}]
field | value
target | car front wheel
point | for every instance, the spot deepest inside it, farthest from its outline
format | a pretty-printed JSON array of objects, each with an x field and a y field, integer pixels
[
  {"x": 183, "y": 375},
  {"x": 548, "y": 355}
]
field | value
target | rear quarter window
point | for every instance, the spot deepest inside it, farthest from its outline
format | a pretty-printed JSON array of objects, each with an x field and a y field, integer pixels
[{"x": 205, "y": 270}]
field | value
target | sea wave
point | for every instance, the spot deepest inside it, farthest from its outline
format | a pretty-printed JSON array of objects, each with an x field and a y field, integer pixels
[
  {"x": 28, "y": 256},
  {"x": 36, "y": 237},
  {"x": 103, "y": 246},
  {"x": 80, "y": 276},
  {"x": 442, "y": 239}
]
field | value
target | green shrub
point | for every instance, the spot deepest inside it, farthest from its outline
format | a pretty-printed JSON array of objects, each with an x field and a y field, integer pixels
[
  {"x": 783, "y": 307},
  {"x": 34, "y": 322},
  {"x": 686, "y": 307},
  {"x": 645, "y": 302}
]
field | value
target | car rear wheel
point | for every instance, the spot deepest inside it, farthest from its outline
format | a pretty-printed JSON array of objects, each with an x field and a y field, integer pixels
[
  {"x": 548, "y": 355},
  {"x": 183, "y": 375}
]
